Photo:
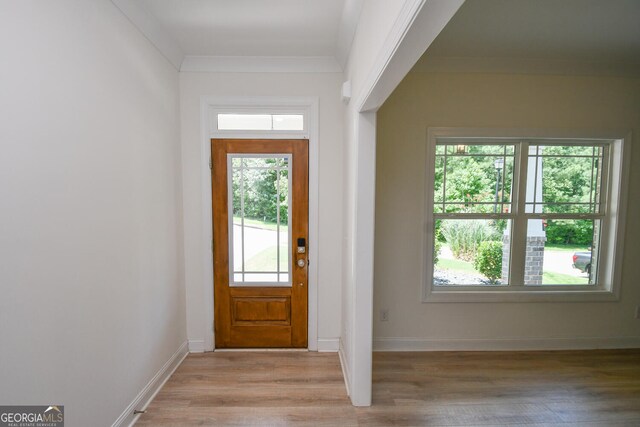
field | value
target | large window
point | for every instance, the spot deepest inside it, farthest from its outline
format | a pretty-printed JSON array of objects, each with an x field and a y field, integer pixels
[{"x": 522, "y": 216}]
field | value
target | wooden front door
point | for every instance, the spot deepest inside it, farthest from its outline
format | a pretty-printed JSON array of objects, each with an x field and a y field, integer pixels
[{"x": 260, "y": 242}]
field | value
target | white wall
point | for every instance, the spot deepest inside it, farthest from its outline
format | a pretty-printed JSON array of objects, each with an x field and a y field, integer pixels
[
  {"x": 374, "y": 26},
  {"x": 326, "y": 86},
  {"x": 491, "y": 100},
  {"x": 92, "y": 296},
  {"x": 390, "y": 37},
  {"x": 375, "y": 23}
]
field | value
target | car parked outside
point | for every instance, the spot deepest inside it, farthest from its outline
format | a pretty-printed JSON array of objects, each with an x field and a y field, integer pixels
[{"x": 582, "y": 261}]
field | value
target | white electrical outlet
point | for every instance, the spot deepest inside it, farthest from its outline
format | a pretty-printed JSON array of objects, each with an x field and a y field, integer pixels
[{"x": 384, "y": 315}]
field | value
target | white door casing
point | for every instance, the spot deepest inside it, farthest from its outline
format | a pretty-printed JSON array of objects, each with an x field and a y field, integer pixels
[{"x": 308, "y": 106}]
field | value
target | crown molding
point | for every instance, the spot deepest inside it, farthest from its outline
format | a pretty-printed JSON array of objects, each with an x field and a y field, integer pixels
[
  {"x": 347, "y": 30},
  {"x": 261, "y": 64},
  {"x": 504, "y": 65},
  {"x": 149, "y": 26},
  {"x": 418, "y": 24}
]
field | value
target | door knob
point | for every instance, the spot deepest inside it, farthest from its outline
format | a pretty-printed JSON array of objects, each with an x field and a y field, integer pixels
[{"x": 301, "y": 263}]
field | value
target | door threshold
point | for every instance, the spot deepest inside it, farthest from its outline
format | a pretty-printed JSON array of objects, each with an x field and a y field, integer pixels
[{"x": 260, "y": 349}]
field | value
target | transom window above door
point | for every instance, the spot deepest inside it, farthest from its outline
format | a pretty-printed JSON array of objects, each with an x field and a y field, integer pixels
[{"x": 269, "y": 122}]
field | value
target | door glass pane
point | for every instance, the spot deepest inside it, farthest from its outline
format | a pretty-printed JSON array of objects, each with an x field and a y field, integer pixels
[{"x": 259, "y": 211}]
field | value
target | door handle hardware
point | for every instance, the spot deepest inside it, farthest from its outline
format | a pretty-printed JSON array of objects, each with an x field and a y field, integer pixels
[{"x": 301, "y": 263}]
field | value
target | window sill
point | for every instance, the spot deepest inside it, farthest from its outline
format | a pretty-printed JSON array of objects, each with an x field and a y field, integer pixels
[{"x": 525, "y": 295}]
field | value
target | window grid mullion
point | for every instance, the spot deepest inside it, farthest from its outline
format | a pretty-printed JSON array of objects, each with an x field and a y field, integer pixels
[
  {"x": 242, "y": 216},
  {"x": 591, "y": 181},
  {"x": 518, "y": 237},
  {"x": 604, "y": 200},
  {"x": 504, "y": 174},
  {"x": 458, "y": 215},
  {"x": 444, "y": 179},
  {"x": 535, "y": 177},
  {"x": 564, "y": 216}
]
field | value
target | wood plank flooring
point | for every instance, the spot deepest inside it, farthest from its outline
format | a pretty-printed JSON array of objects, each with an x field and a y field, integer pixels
[
  {"x": 560, "y": 388},
  {"x": 253, "y": 388}
]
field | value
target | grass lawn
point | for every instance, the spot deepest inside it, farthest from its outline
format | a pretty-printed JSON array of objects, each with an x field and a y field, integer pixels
[
  {"x": 548, "y": 278},
  {"x": 456, "y": 265},
  {"x": 260, "y": 224},
  {"x": 551, "y": 278},
  {"x": 566, "y": 248},
  {"x": 266, "y": 260}
]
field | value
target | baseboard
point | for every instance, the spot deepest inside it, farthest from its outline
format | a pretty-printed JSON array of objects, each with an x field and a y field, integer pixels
[
  {"x": 330, "y": 345},
  {"x": 507, "y": 344},
  {"x": 146, "y": 395},
  {"x": 345, "y": 367},
  {"x": 196, "y": 346}
]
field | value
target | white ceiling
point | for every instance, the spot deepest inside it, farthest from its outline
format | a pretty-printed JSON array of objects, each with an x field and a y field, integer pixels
[
  {"x": 250, "y": 27},
  {"x": 585, "y": 31}
]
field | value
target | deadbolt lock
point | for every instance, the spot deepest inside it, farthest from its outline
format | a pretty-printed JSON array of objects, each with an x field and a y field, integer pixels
[{"x": 302, "y": 245}]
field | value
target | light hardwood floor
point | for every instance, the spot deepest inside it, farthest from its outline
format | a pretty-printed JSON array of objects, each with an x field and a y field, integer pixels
[{"x": 567, "y": 388}]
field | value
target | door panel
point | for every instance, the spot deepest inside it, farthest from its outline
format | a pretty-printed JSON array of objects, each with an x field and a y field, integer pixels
[
  {"x": 260, "y": 211},
  {"x": 261, "y": 311}
]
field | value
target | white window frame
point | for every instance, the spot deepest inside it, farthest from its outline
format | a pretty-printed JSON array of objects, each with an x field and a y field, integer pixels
[{"x": 615, "y": 186}]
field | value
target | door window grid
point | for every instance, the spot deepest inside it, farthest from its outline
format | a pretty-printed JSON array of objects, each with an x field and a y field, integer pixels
[{"x": 242, "y": 163}]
